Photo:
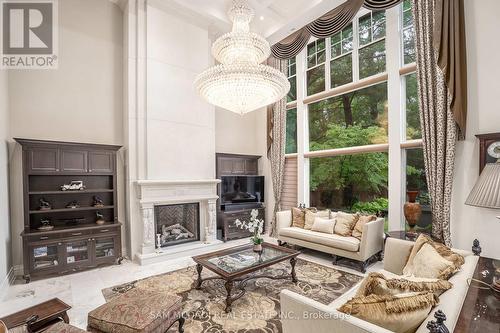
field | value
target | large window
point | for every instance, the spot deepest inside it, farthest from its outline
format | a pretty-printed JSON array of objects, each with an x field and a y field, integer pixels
[
  {"x": 341, "y": 55},
  {"x": 354, "y": 119},
  {"x": 372, "y": 44},
  {"x": 316, "y": 56},
  {"x": 291, "y": 131},
  {"x": 292, "y": 78},
  {"x": 344, "y": 141},
  {"x": 408, "y": 33},
  {"x": 350, "y": 182}
]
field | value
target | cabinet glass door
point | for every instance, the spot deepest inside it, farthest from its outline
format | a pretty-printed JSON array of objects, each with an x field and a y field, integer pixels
[
  {"x": 104, "y": 247},
  {"x": 77, "y": 251},
  {"x": 45, "y": 256}
]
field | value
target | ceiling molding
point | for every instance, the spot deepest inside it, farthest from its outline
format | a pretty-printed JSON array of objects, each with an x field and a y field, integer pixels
[{"x": 119, "y": 3}]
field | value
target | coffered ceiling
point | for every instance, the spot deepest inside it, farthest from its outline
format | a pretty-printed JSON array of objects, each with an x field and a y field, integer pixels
[{"x": 274, "y": 19}]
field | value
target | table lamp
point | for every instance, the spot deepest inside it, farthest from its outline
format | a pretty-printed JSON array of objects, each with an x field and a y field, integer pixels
[{"x": 486, "y": 193}]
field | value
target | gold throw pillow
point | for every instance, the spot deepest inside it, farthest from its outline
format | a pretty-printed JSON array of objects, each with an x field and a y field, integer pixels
[
  {"x": 429, "y": 264},
  {"x": 311, "y": 216},
  {"x": 378, "y": 284},
  {"x": 345, "y": 223},
  {"x": 358, "y": 228},
  {"x": 398, "y": 313},
  {"x": 299, "y": 216},
  {"x": 444, "y": 251}
]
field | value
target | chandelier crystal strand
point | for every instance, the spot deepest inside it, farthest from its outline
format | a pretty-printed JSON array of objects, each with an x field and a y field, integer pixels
[{"x": 241, "y": 83}]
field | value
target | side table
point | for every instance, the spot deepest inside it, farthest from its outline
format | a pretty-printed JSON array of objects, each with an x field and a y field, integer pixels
[{"x": 48, "y": 312}]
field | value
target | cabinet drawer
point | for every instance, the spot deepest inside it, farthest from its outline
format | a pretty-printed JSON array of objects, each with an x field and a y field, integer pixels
[
  {"x": 40, "y": 238},
  {"x": 111, "y": 230},
  {"x": 75, "y": 233}
]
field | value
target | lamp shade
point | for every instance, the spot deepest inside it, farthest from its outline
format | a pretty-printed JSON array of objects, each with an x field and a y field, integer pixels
[{"x": 486, "y": 192}]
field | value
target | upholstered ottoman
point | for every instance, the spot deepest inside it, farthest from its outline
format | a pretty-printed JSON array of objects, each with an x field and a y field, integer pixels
[
  {"x": 136, "y": 311},
  {"x": 62, "y": 327}
]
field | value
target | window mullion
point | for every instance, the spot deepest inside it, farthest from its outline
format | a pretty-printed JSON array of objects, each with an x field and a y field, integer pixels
[
  {"x": 355, "y": 51},
  {"x": 328, "y": 53}
]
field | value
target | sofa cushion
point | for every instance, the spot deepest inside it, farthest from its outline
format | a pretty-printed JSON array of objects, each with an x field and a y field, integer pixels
[
  {"x": 345, "y": 223},
  {"x": 323, "y": 225},
  {"x": 397, "y": 313},
  {"x": 311, "y": 215},
  {"x": 335, "y": 241},
  {"x": 137, "y": 310},
  {"x": 378, "y": 284},
  {"x": 428, "y": 263},
  {"x": 358, "y": 227},
  {"x": 445, "y": 252}
]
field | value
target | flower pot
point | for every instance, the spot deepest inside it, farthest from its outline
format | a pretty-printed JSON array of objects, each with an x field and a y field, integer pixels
[
  {"x": 412, "y": 196},
  {"x": 257, "y": 247},
  {"x": 413, "y": 212}
]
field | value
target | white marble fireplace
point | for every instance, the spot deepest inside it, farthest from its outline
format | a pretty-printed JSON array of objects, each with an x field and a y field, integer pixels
[{"x": 153, "y": 193}]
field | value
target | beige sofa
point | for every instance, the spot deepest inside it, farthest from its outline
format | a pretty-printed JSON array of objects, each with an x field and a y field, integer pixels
[
  {"x": 371, "y": 243},
  {"x": 304, "y": 314}
]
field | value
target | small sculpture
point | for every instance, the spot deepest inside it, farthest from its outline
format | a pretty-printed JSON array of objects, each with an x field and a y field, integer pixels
[
  {"x": 45, "y": 225},
  {"x": 99, "y": 219},
  {"x": 73, "y": 204},
  {"x": 75, "y": 185},
  {"x": 98, "y": 202},
  {"x": 44, "y": 205}
]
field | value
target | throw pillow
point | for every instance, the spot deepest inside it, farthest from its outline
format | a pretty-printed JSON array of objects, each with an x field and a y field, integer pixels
[
  {"x": 397, "y": 313},
  {"x": 429, "y": 264},
  {"x": 323, "y": 225},
  {"x": 441, "y": 249},
  {"x": 311, "y": 216},
  {"x": 345, "y": 223},
  {"x": 358, "y": 228},
  {"x": 299, "y": 215},
  {"x": 379, "y": 284}
]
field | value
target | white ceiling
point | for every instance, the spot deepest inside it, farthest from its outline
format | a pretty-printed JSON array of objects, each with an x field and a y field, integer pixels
[{"x": 274, "y": 19}]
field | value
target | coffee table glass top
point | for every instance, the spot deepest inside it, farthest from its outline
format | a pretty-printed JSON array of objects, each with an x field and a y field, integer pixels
[{"x": 246, "y": 258}]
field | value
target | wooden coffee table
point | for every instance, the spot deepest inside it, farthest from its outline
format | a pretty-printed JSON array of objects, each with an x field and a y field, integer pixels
[
  {"x": 234, "y": 265},
  {"x": 48, "y": 312}
]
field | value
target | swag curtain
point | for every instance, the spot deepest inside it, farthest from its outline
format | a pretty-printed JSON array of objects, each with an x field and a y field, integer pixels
[
  {"x": 276, "y": 135},
  {"x": 441, "y": 76}
]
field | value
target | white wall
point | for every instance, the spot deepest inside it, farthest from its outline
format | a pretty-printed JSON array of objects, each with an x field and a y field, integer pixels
[
  {"x": 180, "y": 125},
  {"x": 483, "y": 53},
  {"x": 5, "y": 251},
  {"x": 81, "y": 101}
]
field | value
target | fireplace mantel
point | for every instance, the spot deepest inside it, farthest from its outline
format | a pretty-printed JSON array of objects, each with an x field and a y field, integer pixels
[{"x": 152, "y": 193}]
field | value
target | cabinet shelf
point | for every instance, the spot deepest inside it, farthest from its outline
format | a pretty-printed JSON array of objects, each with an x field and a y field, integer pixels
[
  {"x": 71, "y": 192},
  {"x": 63, "y": 210}
]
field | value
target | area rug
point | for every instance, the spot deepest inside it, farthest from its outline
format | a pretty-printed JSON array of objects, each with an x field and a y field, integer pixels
[{"x": 257, "y": 311}]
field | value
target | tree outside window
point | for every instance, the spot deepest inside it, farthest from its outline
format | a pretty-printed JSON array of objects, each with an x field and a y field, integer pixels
[{"x": 316, "y": 56}]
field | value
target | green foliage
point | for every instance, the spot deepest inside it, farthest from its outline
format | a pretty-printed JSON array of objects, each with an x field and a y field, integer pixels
[{"x": 371, "y": 207}]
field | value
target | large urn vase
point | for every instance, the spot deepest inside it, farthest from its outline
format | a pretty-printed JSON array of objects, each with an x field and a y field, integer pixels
[{"x": 412, "y": 210}]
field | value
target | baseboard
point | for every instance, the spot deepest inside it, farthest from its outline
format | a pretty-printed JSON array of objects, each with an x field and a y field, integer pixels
[{"x": 6, "y": 282}]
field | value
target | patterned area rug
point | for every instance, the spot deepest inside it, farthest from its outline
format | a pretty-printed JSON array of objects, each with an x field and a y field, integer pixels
[{"x": 257, "y": 311}]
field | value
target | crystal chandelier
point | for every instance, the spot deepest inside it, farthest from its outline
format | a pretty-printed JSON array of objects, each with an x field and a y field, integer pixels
[{"x": 241, "y": 83}]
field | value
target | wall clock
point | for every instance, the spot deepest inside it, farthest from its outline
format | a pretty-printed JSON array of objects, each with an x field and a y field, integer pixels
[{"x": 489, "y": 149}]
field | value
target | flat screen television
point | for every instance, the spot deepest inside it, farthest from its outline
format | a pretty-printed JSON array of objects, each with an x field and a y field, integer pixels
[{"x": 242, "y": 189}]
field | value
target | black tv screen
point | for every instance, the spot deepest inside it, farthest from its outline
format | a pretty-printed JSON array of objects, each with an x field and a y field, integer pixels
[{"x": 242, "y": 189}]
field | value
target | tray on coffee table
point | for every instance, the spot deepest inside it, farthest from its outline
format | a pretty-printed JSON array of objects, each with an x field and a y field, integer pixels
[{"x": 234, "y": 265}]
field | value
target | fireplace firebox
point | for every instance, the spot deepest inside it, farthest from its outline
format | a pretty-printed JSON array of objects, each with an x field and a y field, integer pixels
[{"x": 177, "y": 224}]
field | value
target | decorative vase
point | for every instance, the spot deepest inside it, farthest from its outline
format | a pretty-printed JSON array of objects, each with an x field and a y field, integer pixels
[
  {"x": 257, "y": 247},
  {"x": 412, "y": 210}
]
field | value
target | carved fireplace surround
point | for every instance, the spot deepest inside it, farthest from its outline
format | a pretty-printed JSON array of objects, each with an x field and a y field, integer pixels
[{"x": 153, "y": 193}]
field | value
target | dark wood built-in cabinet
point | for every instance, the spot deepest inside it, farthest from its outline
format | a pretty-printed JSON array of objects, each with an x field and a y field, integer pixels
[
  {"x": 76, "y": 242},
  {"x": 236, "y": 165}
]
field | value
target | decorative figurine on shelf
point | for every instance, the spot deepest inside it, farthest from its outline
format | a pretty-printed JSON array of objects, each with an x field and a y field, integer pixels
[
  {"x": 44, "y": 204},
  {"x": 99, "y": 219},
  {"x": 255, "y": 226},
  {"x": 75, "y": 185},
  {"x": 46, "y": 226},
  {"x": 73, "y": 204},
  {"x": 98, "y": 202}
]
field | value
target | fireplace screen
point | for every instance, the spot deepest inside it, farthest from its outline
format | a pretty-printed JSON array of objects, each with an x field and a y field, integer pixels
[{"x": 176, "y": 224}]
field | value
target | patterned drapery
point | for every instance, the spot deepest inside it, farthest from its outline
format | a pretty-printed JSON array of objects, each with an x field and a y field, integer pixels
[
  {"x": 276, "y": 144},
  {"x": 326, "y": 25},
  {"x": 439, "y": 130}
]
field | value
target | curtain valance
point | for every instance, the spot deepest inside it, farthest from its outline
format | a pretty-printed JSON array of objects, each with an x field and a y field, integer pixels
[{"x": 326, "y": 26}]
